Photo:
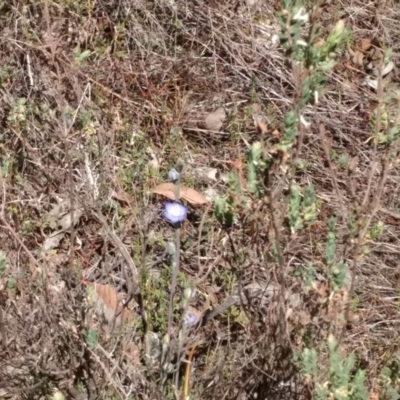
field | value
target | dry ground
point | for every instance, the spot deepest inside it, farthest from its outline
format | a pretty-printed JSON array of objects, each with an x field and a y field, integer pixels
[{"x": 98, "y": 100}]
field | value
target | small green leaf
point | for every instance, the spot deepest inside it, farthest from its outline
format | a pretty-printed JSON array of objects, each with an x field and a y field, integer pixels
[
  {"x": 91, "y": 337},
  {"x": 81, "y": 57},
  {"x": 3, "y": 260},
  {"x": 294, "y": 208},
  {"x": 377, "y": 230},
  {"x": 11, "y": 283}
]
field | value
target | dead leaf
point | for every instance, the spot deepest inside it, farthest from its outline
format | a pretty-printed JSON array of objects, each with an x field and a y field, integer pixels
[
  {"x": 276, "y": 134},
  {"x": 365, "y": 44},
  {"x": 123, "y": 197},
  {"x": 358, "y": 58},
  {"x": 353, "y": 317},
  {"x": 256, "y": 108},
  {"x": 289, "y": 313},
  {"x": 192, "y": 196},
  {"x": 53, "y": 241},
  {"x": 285, "y": 156},
  {"x": 107, "y": 303},
  {"x": 353, "y": 164},
  {"x": 259, "y": 119},
  {"x": 167, "y": 189},
  {"x": 3, "y": 283},
  {"x": 215, "y": 120},
  {"x": 323, "y": 290},
  {"x": 132, "y": 352},
  {"x": 238, "y": 164},
  {"x": 260, "y": 123},
  {"x": 374, "y": 395}
]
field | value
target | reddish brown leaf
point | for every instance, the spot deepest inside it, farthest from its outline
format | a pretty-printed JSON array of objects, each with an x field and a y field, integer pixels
[
  {"x": 238, "y": 164},
  {"x": 259, "y": 119},
  {"x": 358, "y": 58},
  {"x": 132, "y": 352},
  {"x": 365, "y": 44},
  {"x": 191, "y": 195},
  {"x": 261, "y": 125},
  {"x": 107, "y": 303},
  {"x": 276, "y": 134},
  {"x": 166, "y": 189},
  {"x": 256, "y": 108},
  {"x": 353, "y": 164},
  {"x": 374, "y": 395}
]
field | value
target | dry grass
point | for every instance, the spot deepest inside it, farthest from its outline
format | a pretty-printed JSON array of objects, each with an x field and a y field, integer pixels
[{"x": 99, "y": 132}]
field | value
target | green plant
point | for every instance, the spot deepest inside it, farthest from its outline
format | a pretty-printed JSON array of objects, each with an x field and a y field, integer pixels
[
  {"x": 81, "y": 56},
  {"x": 91, "y": 336},
  {"x": 3, "y": 261},
  {"x": 18, "y": 113},
  {"x": 311, "y": 57},
  {"x": 311, "y": 60},
  {"x": 389, "y": 379},
  {"x": 336, "y": 380}
]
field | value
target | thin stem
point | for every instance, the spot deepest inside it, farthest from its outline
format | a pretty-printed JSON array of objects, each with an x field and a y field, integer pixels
[
  {"x": 181, "y": 339},
  {"x": 175, "y": 267},
  {"x": 174, "y": 276},
  {"x": 378, "y": 126}
]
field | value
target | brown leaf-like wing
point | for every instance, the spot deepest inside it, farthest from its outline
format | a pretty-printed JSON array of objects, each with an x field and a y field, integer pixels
[
  {"x": 107, "y": 303},
  {"x": 166, "y": 189},
  {"x": 192, "y": 196}
]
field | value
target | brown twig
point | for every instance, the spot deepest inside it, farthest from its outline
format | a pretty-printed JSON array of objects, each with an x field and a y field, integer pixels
[
  {"x": 281, "y": 261},
  {"x": 132, "y": 285},
  {"x": 186, "y": 386},
  {"x": 325, "y": 145},
  {"x": 199, "y": 278},
  {"x": 374, "y": 163},
  {"x": 373, "y": 206},
  {"x": 21, "y": 243}
]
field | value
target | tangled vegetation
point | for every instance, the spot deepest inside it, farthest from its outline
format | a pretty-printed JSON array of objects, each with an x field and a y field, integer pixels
[{"x": 199, "y": 200}]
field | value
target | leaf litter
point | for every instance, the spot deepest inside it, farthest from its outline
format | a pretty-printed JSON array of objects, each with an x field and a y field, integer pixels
[
  {"x": 61, "y": 219},
  {"x": 107, "y": 303},
  {"x": 192, "y": 196}
]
